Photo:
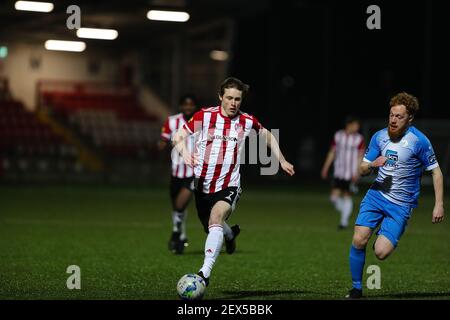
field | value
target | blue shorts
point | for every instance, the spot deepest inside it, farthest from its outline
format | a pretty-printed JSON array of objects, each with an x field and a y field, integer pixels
[{"x": 376, "y": 209}]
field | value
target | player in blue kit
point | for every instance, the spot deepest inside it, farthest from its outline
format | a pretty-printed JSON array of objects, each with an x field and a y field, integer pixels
[{"x": 401, "y": 153}]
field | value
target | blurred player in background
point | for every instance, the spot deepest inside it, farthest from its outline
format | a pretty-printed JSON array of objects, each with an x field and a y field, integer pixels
[
  {"x": 401, "y": 153},
  {"x": 222, "y": 131},
  {"x": 182, "y": 178},
  {"x": 346, "y": 152}
]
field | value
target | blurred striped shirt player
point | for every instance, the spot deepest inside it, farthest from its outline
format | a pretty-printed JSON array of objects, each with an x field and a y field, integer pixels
[
  {"x": 219, "y": 146},
  {"x": 348, "y": 148},
  {"x": 172, "y": 125},
  {"x": 346, "y": 152}
]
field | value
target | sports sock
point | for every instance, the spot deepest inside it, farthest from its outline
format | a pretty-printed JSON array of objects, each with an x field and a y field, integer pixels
[
  {"x": 357, "y": 260},
  {"x": 347, "y": 207},
  {"x": 213, "y": 245},
  {"x": 177, "y": 220},
  {"x": 337, "y": 202}
]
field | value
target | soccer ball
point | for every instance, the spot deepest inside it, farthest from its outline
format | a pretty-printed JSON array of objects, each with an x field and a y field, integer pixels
[{"x": 191, "y": 287}]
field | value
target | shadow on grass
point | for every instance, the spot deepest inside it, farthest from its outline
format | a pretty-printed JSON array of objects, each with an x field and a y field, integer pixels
[
  {"x": 411, "y": 295},
  {"x": 259, "y": 293}
]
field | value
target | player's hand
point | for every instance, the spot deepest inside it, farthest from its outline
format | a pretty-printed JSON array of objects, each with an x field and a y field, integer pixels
[
  {"x": 378, "y": 162},
  {"x": 287, "y": 167},
  {"x": 355, "y": 178},
  {"x": 438, "y": 214}
]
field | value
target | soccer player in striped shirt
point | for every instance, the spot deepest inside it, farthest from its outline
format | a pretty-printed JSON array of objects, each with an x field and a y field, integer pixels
[
  {"x": 346, "y": 151},
  {"x": 182, "y": 177},
  {"x": 221, "y": 134},
  {"x": 401, "y": 153}
]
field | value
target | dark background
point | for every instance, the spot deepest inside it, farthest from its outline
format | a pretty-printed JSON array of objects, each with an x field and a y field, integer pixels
[{"x": 309, "y": 63}]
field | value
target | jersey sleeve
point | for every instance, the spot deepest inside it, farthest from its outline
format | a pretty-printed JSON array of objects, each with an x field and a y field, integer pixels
[
  {"x": 426, "y": 154},
  {"x": 256, "y": 125},
  {"x": 195, "y": 123},
  {"x": 373, "y": 151},
  {"x": 165, "y": 131}
]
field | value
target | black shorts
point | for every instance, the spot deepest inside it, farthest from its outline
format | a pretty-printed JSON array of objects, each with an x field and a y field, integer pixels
[
  {"x": 205, "y": 202},
  {"x": 341, "y": 184},
  {"x": 176, "y": 184}
]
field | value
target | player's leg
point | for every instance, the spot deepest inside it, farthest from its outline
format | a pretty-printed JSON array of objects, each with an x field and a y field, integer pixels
[
  {"x": 335, "y": 198},
  {"x": 214, "y": 240},
  {"x": 177, "y": 217},
  {"x": 391, "y": 230},
  {"x": 369, "y": 217},
  {"x": 230, "y": 233},
  {"x": 347, "y": 208},
  {"x": 181, "y": 202},
  {"x": 383, "y": 247},
  {"x": 357, "y": 255}
]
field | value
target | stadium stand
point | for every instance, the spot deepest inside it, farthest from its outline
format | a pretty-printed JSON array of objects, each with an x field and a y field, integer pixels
[
  {"x": 108, "y": 117},
  {"x": 28, "y": 146}
]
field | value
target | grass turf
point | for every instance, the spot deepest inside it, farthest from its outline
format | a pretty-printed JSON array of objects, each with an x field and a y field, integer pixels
[{"x": 289, "y": 247}]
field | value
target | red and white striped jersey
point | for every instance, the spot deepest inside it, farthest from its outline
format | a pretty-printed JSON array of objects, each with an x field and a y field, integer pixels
[
  {"x": 347, "y": 147},
  {"x": 171, "y": 126},
  {"x": 219, "y": 144}
]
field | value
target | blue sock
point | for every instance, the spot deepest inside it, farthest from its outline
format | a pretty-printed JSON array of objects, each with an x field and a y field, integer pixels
[{"x": 357, "y": 260}]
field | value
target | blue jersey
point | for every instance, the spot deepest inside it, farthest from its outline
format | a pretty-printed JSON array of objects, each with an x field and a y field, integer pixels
[{"x": 399, "y": 179}]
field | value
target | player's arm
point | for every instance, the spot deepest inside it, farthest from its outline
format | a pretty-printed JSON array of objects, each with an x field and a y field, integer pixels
[
  {"x": 273, "y": 145},
  {"x": 328, "y": 161},
  {"x": 165, "y": 136},
  {"x": 179, "y": 143},
  {"x": 355, "y": 178},
  {"x": 366, "y": 167},
  {"x": 373, "y": 158},
  {"x": 438, "y": 184}
]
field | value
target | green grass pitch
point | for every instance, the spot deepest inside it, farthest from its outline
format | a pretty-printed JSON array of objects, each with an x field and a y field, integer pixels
[{"x": 289, "y": 247}]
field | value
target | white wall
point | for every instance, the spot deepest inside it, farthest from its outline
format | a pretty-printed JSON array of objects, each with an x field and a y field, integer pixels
[{"x": 55, "y": 65}]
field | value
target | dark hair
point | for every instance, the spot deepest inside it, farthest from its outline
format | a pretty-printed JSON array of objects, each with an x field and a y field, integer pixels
[
  {"x": 187, "y": 96},
  {"x": 351, "y": 118},
  {"x": 235, "y": 83},
  {"x": 409, "y": 101}
]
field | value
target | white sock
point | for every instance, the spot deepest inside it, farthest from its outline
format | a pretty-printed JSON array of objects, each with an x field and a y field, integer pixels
[
  {"x": 227, "y": 232},
  {"x": 347, "y": 208},
  {"x": 177, "y": 220},
  {"x": 213, "y": 245},
  {"x": 337, "y": 202}
]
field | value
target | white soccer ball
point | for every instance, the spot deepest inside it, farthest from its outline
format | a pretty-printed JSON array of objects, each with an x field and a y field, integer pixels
[{"x": 191, "y": 287}]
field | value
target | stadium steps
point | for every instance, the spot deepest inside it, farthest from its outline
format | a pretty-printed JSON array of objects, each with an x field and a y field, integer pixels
[{"x": 86, "y": 156}]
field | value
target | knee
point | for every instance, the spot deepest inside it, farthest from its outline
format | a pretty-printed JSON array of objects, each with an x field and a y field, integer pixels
[
  {"x": 381, "y": 253},
  {"x": 359, "y": 241}
]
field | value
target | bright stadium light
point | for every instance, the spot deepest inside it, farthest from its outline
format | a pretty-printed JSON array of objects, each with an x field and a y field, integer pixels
[
  {"x": 173, "y": 16},
  {"x": 218, "y": 55},
  {"x": 34, "y": 6},
  {"x": 59, "y": 45},
  {"x": 94, "y": 33}
]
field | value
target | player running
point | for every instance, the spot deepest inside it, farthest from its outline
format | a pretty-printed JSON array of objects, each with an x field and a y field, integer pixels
[
  {"x": 346, "y": 153},
  {"x": 221, "y": 131},
  {"x": 400, "y": 152},
  {"x": 182, "y": 178}
]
